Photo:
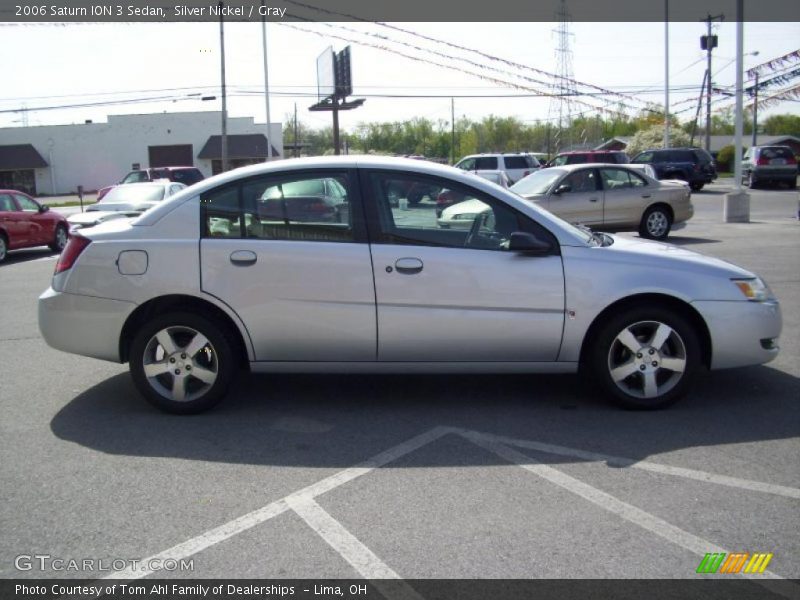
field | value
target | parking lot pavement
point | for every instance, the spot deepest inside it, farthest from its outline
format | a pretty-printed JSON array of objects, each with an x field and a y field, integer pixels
[{"x": 409, "y": 476}]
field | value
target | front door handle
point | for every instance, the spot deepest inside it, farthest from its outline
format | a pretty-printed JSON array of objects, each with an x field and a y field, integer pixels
[
  {"x": 592, "y": 199},
  {"x": 408, "y": 266},
  {"x": 243, "y": 258},
  {"x": 645, "y": 195}
]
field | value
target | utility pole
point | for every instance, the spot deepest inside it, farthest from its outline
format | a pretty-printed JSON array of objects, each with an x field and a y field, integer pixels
[
  {"x": 708, "y": 42},
  {"x": 224, "y": 138},
  {"x": 296, "y": 147},
  {"x": 755, "y": 112},
  {"x": 452, "y": 131},
  {"x": 699, "y": 106},
  {"x": 666, "y": 73},
  {"x": 266, "y": 81}
]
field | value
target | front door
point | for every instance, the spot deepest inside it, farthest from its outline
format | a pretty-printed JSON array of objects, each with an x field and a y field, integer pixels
[
  {"x": 581, "y": 200},
  {"x": 458, "y": 294}
]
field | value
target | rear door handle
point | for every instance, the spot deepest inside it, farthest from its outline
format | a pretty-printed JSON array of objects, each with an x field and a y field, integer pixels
[
  {"x": 645, "y": 195},
  {"x": 408, "y": 266},
  {"x": 243, "y": 258},
  {"x": 592, "y": 199}
]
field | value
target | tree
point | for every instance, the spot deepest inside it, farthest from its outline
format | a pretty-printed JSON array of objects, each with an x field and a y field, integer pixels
[
  {"x": 782, "y": 125},
  {"x": 653, "y": 137}
]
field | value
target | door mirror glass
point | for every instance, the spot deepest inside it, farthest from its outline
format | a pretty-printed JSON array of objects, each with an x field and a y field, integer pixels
[
  {"x": 562, "y": 189},
  {"x": 527, "y": 243}
]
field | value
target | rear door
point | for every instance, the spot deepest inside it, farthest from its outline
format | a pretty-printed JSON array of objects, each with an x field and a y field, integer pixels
[
  {"x": 300, "y": 281},
  {"x": 625, "y": 195}
]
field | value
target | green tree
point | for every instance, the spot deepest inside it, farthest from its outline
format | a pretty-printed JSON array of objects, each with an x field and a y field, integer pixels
[{"x": 782, "y": 125}]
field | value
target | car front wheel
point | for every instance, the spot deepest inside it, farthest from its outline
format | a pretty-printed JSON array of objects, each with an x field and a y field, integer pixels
[
  {"x": 60, "y": 239},
  {"x": 646, "y": 358},
  {"x": 3, "y": 247},
  {"x": 656, "y": 223},
  {"x": 182, "y": 363}
]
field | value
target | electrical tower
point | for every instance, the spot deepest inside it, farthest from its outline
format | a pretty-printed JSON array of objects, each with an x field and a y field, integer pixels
[{"x": 562, "y": 102}]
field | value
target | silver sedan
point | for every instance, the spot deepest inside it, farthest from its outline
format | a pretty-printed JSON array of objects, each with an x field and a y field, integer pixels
[
  {"x": 385, "y": 289},
  {"x": 610, "y": 197}
]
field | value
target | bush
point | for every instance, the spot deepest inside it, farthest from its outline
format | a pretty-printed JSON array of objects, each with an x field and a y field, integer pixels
[{"x": 725, "y": 158}]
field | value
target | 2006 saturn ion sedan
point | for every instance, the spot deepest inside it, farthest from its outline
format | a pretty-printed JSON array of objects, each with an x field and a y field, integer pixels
[{"x": 222, "y": 275}]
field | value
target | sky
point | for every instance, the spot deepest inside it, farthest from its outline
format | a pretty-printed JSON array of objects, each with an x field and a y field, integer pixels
[{"x": 79, "y": 64}]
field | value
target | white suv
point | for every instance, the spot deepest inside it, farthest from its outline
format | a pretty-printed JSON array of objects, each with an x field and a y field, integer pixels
[{"x": 516, "y": 166}]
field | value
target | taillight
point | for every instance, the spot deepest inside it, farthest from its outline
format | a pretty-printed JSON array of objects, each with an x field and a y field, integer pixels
[
  {"x": 318, "y": 207},
  {"x": 791, "y": 160},
  {"x": 762, "y": 161},
  {"x": 75, "y": 245},
  {"x": 444, "y": 197}
]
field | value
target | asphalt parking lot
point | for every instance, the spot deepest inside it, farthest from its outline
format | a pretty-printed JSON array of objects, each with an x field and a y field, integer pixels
[{"x": 299, "y": 476}]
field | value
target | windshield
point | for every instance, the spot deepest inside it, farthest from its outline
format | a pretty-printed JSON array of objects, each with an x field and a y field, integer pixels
[
  {"x": 537, "y": 183},
  {"x": 136, "y": 192}
]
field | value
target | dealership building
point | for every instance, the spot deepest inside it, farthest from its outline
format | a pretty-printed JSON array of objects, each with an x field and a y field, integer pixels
[{"x": 56, "y": 159}]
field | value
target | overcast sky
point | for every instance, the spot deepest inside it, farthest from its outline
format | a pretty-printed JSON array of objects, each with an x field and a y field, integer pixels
[{"x": 76, "y": 64}]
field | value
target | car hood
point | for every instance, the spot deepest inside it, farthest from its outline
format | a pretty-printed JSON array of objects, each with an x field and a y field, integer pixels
[
  {"x": 659, "y": 255},
  {"x": 126, "y": 207}
]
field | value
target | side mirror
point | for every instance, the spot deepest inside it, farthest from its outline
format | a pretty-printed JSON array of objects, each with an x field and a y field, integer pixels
[
  {"x": 563, "y": 188},
  {"x": 527, "y": 243},
  {"x": 43, "y": 208}
]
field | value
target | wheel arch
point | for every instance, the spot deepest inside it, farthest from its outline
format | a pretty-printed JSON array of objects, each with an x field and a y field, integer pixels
[
  {"x": 682, "y": 307},
  {"x": 185, "y": 303}
]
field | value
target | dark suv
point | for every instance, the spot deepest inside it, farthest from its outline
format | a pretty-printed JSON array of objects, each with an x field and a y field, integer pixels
[
  {"x": 589, "y": 156},
  {"x": 184, "y": 175},
  {"x": 693, "y": 165}
]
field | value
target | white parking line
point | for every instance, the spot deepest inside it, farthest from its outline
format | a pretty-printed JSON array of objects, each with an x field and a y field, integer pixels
[
  {"x": 256, "y": 517},
  {"x": 361, "y": 558},
  {"x": 630, "y": 513},
  {"x": 619, "y": 461}
]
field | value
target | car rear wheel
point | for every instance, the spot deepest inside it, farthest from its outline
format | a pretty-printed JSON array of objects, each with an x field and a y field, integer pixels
[
  {"x": 696, "y": 187},
  {"x": 656, "y": 223},
  {"x": 182, "y": 363},
  {"x": 60, "y": 239},
  {"x": 752, "y": 182},
  {"x": 646, "y": 358},
  {"x": 3, "y": 247}
]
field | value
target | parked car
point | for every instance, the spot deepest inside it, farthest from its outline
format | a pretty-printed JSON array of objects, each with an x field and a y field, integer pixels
[
  {"x": 578, "y": 157},
  {"x": 184, "y": 175},
  {"x": 693, "y": 165},
  {"x": 769, "y": 164},
  {"x": 129, "y": 200},
  {"x": 447, "y": 198},
  {"x": 520, "y": 291},
  {"x": 613, "y": 197},
  {"x": 24, "y": 223},
  {"x": 516, "y": 166}
]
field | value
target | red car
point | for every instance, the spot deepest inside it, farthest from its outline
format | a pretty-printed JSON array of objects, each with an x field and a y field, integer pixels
[{"x": 25, "y": 223}]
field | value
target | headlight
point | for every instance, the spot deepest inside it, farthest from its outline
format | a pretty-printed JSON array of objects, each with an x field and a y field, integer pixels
[{"x": 754, "y": 289}]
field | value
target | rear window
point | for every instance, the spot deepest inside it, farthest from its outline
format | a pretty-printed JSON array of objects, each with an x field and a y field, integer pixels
[
  {"x": 776, "y": 152},
  {"x": 518, "y": 162},
  {"x": 187, "y": 176}
]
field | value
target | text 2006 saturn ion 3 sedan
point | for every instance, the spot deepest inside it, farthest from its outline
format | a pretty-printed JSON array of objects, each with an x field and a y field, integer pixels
[{"x": 216, "y": 278}]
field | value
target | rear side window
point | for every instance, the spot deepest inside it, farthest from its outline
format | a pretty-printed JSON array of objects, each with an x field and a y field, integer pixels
[
  {"x": 644, "y": 157},
  {"x": 683, "y": 156},
  {"x": 222, "y": 213},
  {"x": 486, "y": 163},
  {"x": 577, "y": 159},
  {"x": 518, "y": 162},
  {"x": 187, "y": 176}
]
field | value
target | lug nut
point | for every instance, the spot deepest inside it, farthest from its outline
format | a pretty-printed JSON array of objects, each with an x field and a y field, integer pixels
[
  {"x": 188, "y": 367},
  {"x": 652, "y": 351},
  {"x": 642, "y": 368},
  {"x": 177, "y": 371},
  {"x": 183, "y": 355},
  {"x": 655, "y": 364},
  {"x": 172, "y": 360},
  {"x": 638, "y": 355}
]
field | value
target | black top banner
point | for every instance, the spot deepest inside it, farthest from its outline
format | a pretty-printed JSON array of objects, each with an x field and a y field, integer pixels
[{"x": 158, "y": 11}]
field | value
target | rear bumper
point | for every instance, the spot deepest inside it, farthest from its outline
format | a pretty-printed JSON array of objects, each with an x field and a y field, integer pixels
[
  {"x": 83, "y": 324},
  {"x": 742, "y": 333}
]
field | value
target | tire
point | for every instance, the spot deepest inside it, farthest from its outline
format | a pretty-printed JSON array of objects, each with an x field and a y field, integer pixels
[
  {"x": 696, "y": 187},
  {"x": 793, "y": 184},
  {"x": 154, "y": 368},
  {"x": 3, "y": 247},
  {"x": 752, "y": 182},
  {"x": 656, "y": 223},
  {"x": 60, "y": 239},
  {"x": 628, "y": 355}
]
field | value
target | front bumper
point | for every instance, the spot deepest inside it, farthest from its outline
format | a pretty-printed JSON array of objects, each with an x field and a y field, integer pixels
[
  {"x": 83, "y": 325},
  {"x": 742, "y": 333}
]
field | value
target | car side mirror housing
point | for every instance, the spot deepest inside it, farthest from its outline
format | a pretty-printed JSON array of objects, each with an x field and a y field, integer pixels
[
  {"x": 564, "y": 187},
  {"x": 43, "y": 208},
  {"x": 527, "y": 243}
]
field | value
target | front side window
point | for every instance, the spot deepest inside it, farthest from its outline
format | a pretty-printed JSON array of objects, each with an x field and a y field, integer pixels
[
  {"x": 6, "y": 203},
  {"x": 135, "y": 177},
  {"x": 450, "y": 216},
  {"x": 468, "y": 164},
  {"x": 486, "y": 163},
  {"x": 581, "y": 181},
  {"x": 26, "y": 204}
]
